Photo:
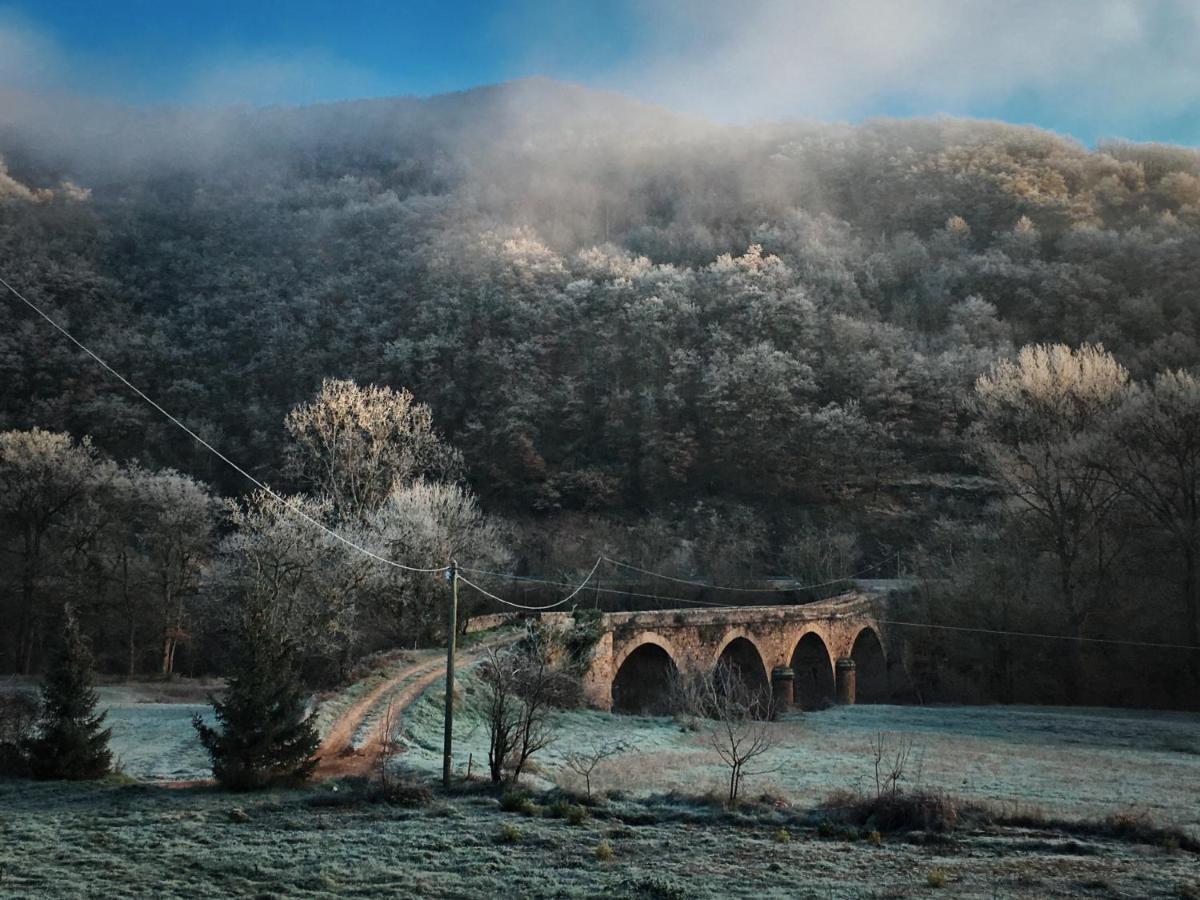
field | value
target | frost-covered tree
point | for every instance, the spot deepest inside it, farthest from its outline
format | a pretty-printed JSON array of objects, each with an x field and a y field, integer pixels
[
  {"x": 182, "y": 516},
  {"x": 305, "y": 585},
  {"x": 1153, "y": 454},
  {"x": 1039, "y": 419},
  {"x": 427, "y": 524},
  {"x": 46, "y": 479},
  {"x": 351, "y": 444}
]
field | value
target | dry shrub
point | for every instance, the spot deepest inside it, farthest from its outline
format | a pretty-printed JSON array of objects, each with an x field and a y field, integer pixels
[
  {"x": 401, "y": 792},
  {"x": 508, "y": 834},
  {"x": 18, "y": 714},
  {"x": 1129, "y": 822},
  {"x": 919, "y": 811},
  {"x": 376, "y": 663}
]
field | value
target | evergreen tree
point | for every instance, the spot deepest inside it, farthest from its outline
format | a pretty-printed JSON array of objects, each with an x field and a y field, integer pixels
[
  {"x": 69, "y": 742},
  {"x": 264, "y": 734}
]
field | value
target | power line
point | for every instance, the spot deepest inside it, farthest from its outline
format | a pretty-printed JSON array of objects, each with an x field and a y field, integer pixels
[
  {"x": 211, "y": 449},
  {"x": 700, "y": 584},
  {"x": 602, "y": 590},
  {"x": 989, "y": 631},
  {"x": 1035, "y": 634},
  {"x": 369, "y": 553},
  {"x": 557, "y": 603},
  {"x": 745, "y": 590}
]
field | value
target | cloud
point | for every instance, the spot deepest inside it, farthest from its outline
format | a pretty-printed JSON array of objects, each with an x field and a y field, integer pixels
[
  {"x": 788, "y": 58},
  {"x": 29, "y": 58}
]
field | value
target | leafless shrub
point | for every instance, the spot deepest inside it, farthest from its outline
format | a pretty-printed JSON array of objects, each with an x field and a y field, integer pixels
[
  {"x": 585, "y": 764},
  {"x": 389, "y": 746},
  {"x": 523, "y": 689},
  {"x": 891, "y": 755},
  {"x": 18, "y": 714},
  {"x": 740, "y": 714}
]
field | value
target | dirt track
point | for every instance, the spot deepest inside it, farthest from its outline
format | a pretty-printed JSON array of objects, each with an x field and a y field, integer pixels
[{"x": 339, "y": 756}]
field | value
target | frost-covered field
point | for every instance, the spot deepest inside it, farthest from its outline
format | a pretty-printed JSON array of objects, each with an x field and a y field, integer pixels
[
  {"x": 152, "y": 734},
  {"x": 65, "y": 840},
  {"x": 1073, "y": 763},
  {"x": 121, "y": 839}
]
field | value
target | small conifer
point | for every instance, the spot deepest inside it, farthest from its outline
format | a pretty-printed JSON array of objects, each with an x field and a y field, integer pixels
[
  {"x": 265, "y": 734},
  {"x": 68, "y": 741}
]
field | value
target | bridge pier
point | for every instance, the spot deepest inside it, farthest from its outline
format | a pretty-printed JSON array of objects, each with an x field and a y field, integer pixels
[
  {"x": 783, "y": 689},
  {"x": 847, "y": 679}
]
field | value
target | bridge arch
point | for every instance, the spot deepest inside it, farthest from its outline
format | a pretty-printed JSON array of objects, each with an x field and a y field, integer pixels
[
  {"x": 644, "y": 669},
  {"x": 812, "y": 667},
  {"x": 870, "y": 664},
  {"x": 739, "y": 652}
]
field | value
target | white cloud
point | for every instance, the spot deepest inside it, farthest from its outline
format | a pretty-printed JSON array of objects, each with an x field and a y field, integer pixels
[{"x": 776, "y": 58}]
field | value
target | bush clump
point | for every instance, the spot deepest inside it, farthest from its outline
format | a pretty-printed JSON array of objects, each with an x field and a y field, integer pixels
[
  {"x": 656, "y": 888},
  {"x": 508, "y": 834},
  {"x": 604, "y": 851},
  {"x": 18, "y": 713},
  {"x": 401, "y": 792},
  {"x": 919, "y": 811},
  {"x": 577, "y": 814},
  {"x": 518, "y": 802}
]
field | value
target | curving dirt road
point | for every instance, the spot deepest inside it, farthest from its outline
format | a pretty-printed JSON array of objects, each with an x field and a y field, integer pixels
[{"x": 339, "y": 757}]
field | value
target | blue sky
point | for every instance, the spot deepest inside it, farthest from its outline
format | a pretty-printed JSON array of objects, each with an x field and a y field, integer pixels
[{"x": 1090, "y": 68}]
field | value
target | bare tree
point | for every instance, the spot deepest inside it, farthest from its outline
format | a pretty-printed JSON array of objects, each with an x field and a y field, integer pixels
[
  {"x": 742, "y": 732},
  {"x": 500, "y": 675},
  {"x": 585, "y": 764},
  {"x": 389, "y": 747},
  {"x": 891, "y": 756},
  {"x": 523, "y": 690},
  {"x": 740, "y": 713}
]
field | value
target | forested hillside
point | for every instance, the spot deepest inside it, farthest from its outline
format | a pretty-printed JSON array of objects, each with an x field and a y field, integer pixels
[{"x": 724, "y": 352}]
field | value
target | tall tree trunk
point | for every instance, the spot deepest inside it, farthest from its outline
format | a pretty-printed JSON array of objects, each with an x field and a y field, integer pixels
[
  {"x": 1191, "y": 593},
  {"x": 131, "y": 613},
  {"x": 1073, "y": 673},
  {"x": 28, "y": 623},
  {"x": 171, "y": 635}
]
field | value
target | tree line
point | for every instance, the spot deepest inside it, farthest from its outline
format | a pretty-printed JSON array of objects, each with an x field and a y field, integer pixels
[
  {"x": 160, "y": 572},
  {"x": 724, "y": 353}
]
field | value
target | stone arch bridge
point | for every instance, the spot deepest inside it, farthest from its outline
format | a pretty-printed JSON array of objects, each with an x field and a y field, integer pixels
[{"x": 807, "y": 655}]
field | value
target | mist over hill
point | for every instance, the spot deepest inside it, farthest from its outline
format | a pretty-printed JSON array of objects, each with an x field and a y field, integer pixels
[{"x": 747, "y": 348}]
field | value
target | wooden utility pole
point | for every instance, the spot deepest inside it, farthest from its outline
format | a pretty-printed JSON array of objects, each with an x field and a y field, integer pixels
[{"x": 451, "y": 638}]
